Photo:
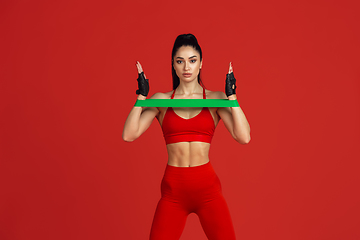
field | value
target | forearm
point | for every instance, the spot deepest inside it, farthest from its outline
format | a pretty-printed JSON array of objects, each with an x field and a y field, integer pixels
[
  {"x": 241, "y": 127},
  {"x": 132, "y": 123}
]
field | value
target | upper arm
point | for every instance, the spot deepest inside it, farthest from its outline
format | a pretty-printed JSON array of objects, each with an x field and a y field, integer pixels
[
  {"x": 225, "y": 114},
  {"x": 148, "y": 114}
]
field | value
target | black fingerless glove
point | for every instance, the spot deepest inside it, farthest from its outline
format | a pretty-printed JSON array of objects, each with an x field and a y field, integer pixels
[
  {"x": 229, "y": 83},
  {"x": 143, "y": 85}
]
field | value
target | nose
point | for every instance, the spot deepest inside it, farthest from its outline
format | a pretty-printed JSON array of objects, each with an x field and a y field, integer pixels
[{"x": 187, "y": 66}]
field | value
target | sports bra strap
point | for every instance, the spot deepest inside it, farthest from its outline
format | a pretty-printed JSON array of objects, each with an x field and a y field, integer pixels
[
  {"x": 172, "y": 96},
  {"x": 204, "y": 94}
]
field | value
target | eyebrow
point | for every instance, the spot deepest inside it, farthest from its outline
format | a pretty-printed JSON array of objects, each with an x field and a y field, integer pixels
[{"x": 189, "y": 57}]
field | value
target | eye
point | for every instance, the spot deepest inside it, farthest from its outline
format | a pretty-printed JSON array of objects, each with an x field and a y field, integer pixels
[
  {"x": 193, "y": 60},
  {"x": 179, "y": 61}
]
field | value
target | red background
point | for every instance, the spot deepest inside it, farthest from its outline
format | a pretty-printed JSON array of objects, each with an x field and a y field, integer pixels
[{"x": 68, "y": 81}]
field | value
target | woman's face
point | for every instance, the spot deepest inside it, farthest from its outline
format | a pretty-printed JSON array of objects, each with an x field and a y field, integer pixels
[{"x": 187, "y": 63}]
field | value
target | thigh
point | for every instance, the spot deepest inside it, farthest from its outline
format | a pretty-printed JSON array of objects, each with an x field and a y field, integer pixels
[
  {"x": 169, "y": 221},
  {"x": 216, "y": 220}
]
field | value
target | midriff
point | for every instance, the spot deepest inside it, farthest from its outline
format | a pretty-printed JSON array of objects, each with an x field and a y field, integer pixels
[{"x": 188, "y": 154}]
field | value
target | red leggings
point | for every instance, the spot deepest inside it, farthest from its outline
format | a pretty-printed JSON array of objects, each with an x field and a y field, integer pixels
[{"x": 186, "y": 190}]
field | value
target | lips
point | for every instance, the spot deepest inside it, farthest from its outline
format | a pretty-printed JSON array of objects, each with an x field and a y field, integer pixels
[{"x": 187, "y": 75}]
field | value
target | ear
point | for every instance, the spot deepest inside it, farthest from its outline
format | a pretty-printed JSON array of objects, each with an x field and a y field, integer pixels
[{"x": 201, "y": 63}]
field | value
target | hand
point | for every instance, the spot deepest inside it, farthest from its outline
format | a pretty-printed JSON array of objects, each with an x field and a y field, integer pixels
[
  {"x": 143, "y": 83},
  {"x": 230, "y": 83}
]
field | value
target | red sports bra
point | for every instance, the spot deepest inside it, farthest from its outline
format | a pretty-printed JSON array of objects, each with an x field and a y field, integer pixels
[{"x": 196, "y": 129}]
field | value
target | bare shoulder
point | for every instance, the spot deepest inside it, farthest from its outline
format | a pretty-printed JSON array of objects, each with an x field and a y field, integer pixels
[
  {"x": 160, "y": 95},
  {"x": 215, "y": 95}
]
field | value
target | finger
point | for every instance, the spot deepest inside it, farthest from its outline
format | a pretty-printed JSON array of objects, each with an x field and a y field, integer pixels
[
  {"x": 230, "y": 68},
  {"x": 138, "y": 67},
  {"x": 141, "y": 70}
]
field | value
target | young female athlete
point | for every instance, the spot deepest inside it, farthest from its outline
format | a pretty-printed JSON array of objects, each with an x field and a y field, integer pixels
[{"x": 190, "y": 184}]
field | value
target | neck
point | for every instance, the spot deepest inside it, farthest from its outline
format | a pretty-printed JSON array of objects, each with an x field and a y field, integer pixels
[{"x": 188, "y": 89}]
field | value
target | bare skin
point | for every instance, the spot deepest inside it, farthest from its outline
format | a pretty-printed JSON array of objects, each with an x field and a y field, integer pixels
[{"x": 187, "y": 154}]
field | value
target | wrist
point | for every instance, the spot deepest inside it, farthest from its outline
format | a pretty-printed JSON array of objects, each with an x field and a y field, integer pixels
[
  {"x": 232, "y": 97},
  {"x": 141, "y": 97}
]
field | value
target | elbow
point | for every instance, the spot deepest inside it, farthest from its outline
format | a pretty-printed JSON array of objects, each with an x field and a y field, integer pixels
[
  {"x": 246, "y": 141},
  {"x": 243, "y": 140},
  {"x": 127, "y": 138}
]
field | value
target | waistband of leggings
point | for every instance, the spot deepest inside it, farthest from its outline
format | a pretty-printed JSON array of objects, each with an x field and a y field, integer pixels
[{"x": 204, "y": 168}]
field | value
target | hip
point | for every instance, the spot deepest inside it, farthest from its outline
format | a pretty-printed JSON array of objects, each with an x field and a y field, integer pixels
[{"x": 190, "y": 181}]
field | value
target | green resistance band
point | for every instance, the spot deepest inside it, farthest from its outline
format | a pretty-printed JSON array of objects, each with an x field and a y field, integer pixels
[{"x": 186, "y": 103}]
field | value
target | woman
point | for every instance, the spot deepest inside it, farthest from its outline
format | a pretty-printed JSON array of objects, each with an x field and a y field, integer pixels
[{"x": 190, "y": 183}]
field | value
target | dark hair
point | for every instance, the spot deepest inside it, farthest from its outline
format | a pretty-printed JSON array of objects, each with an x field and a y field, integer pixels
[{"x": 184, "y": 40}]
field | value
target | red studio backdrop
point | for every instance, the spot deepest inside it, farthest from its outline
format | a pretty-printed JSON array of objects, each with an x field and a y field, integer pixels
[{"x": 68, "y": 81}]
